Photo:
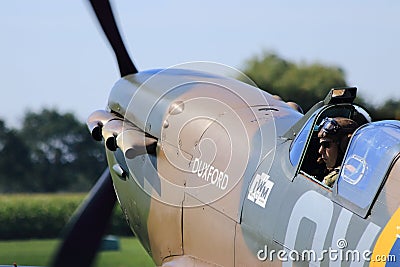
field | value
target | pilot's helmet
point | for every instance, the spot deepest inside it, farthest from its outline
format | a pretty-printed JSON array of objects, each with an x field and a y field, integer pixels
[{"x": 338, "y": 129}]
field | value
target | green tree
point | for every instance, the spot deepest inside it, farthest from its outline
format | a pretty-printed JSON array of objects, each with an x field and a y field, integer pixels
[
  {"x": 302, "y": 83},
  {"x": 390, "y": 109},
  {"x": 64, "y": 156},
  {"x": 306, "y": 84},
  {"x": 15, "y": 164}
]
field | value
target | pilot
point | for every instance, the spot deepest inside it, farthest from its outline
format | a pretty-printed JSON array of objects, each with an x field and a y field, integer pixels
[{"x": 334, "y": 135}]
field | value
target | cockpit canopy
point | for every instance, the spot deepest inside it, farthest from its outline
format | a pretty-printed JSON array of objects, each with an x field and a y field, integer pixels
[
  {"x": 304, "y": 148},
  {"x": 372, "y": 151},
  {"x": 370, "y": 155}
]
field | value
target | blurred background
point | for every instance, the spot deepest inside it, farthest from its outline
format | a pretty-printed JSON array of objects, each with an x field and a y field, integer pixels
[{"x": 56, "y": 68}]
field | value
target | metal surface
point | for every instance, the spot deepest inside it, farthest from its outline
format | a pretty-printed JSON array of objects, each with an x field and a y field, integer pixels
[{"x": 210, "y": 171}]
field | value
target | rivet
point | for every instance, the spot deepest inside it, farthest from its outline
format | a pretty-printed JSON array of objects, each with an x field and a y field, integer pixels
[
  {"x": 176, "y": 108},
  {"x": 166, "y": 124}
]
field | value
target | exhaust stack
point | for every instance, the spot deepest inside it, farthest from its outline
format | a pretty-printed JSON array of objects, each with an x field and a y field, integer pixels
[{"x": 119, "y": 133}]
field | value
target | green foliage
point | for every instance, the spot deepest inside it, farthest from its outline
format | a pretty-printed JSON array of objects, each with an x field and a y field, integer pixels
[
  {"x": 62, "y": 151},
  {"x": 15, "y": 164},
  {"x": 388, "y": 110},
  {"x": 306, "y": 84},
  {"x": 289, "y": 80},
  {"x": 52, "y": 152},
  {"x": 45, "y": 215}
]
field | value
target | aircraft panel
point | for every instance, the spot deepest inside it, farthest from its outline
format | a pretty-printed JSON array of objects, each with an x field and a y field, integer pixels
[
  {"x": 208, "y": 233},
  {"x": 245, "y": 256},
  {"x": 390, "y": 192}
]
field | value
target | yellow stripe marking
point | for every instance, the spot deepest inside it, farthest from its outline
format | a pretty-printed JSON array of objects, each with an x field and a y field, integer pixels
[{"x": 386, "y": 240}]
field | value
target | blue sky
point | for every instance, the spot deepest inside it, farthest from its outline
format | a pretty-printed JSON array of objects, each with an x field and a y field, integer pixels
[{"x": 53, "y": 54}]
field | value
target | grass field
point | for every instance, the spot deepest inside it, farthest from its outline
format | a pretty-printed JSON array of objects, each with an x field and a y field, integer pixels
[{"x": 38, "y": 253}]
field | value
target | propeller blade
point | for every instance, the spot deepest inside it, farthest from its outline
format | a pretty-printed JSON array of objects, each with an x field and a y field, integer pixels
[
  {"x": 104, "y": 14},
  {"x": 84, "y": 232}
]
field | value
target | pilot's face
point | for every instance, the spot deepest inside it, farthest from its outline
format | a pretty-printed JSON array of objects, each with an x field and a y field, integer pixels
[{"x": 329, "y": 151}]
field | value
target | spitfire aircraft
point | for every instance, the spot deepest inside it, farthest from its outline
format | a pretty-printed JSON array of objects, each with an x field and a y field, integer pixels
[{"x": 212, "y": 171}]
